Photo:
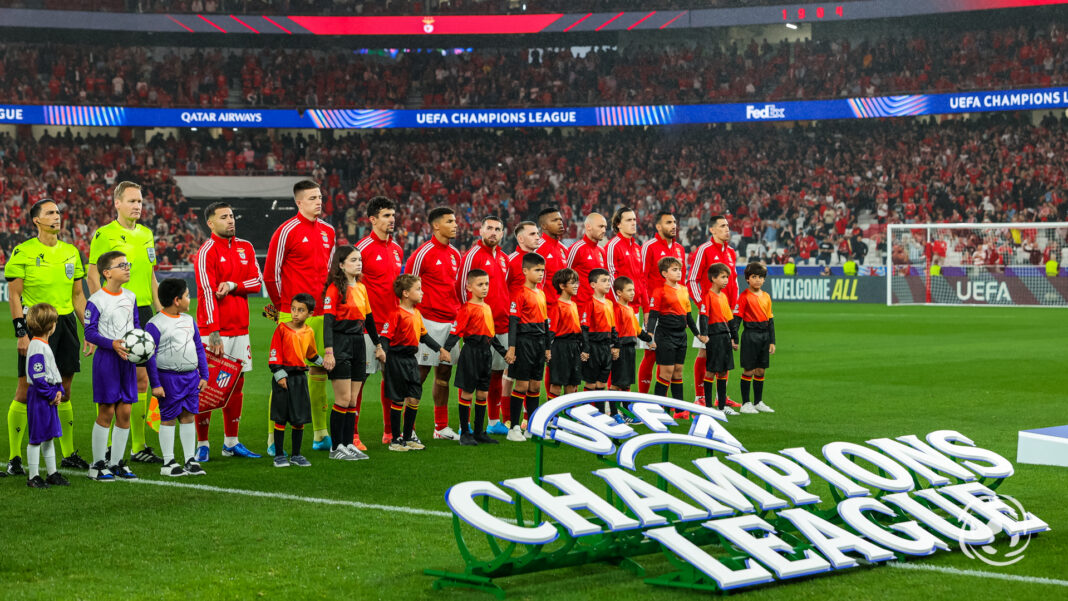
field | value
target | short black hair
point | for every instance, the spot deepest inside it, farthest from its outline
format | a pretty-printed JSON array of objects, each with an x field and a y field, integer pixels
[
  {"x": 532, "y": 260},
  {"x": 104, "y": 262},
  {"x": 378, "y": 204},
  {"x": 304, "y": 184},
  {"x": 170, "y": 290},
  {"x": 717, "y": 268},
  {"x": 660, "y": 215},
  {"x": 437, "y": 213},
  {"x": 713, "y": 219},
  {"x": 595, "y": 274},
  {"x": 35, "y": 210},
  {"x": 545, "y": 212},
  {"x": 209, "y": 211},
  {"x": 305, "y": 299},
  {"x": 621, "y": 282},
  {"x": 476, "y": 273},
  {"x": 755, "y": 268},
  {"x": 562, "y": 278}
]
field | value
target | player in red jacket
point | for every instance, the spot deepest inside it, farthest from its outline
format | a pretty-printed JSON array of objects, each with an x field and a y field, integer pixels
[
  {"x": 624, "y": 256},
  {"x": 383, "y": 261},
  {"x": 488, "y": 256},
  {"x": 437, "y": 263},
  {"x": 585, "y": 255},
  {"x": 226, "y": 273},
  {"x": 298, "y": 261},
  {"x": 661, "y": 245},
  {"x": 716, "y": 250},
  {"x": 551, "y": 224}
]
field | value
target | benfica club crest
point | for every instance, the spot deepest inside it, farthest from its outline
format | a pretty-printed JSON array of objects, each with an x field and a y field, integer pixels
[
  {"x": 428, "y": 24},
  {"x": 241, "y": 253}
]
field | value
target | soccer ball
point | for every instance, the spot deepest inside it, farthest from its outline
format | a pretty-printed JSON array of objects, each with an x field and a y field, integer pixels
[{"x": 139, "y": 345}]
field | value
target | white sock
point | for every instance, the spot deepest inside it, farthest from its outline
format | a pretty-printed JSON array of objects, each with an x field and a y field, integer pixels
[
  {"x": 100, "y": 442},
  {"x": 118, "y": 444},
  {"x": 493, "y": 422},
  {"x": 188, "y": 434},
  {"x": 33, "y": 460},
  {"x": 48, "y": 451},
  {"x": 230, "y": 441},
  {"x": 203, "y": 443},
  {"x": 166, "y": 443}
]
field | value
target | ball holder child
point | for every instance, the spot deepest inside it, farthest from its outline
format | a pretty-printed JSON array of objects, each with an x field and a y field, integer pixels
[
  {"x": 109, "y": 314},
  {"x": 401, "y": 336},
  {"x": 474, "y": 324},
  {"x": 718, "y": 324},
  {"x": 292, "y": 344},
  {"x": 178, "y": 372},
  {"x": 42, "y": 398},
  {"x": 758, "y": 337}
]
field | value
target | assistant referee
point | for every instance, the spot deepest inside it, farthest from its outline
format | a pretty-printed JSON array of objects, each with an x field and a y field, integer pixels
[{"x": 45, "y": 269}]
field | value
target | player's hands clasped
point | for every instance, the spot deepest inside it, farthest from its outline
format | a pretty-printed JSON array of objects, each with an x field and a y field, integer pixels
[
  {"x": 703, "y": 339},
  {"x": 615, "y": 354},
  {"x": 444, "y": 356},
  {"x": 584, "y": 356},
  {"x": 509, "y": 357},
  {"x": 380, "y": 355}
]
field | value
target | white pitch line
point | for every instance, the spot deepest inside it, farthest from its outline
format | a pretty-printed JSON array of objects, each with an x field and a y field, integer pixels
[
  {"x": 978, "y": 574},
  {"x": 288, "y": 497}
]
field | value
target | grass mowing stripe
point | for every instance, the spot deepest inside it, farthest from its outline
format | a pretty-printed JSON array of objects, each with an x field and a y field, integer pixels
[
  {"x": 287, "y": 497},
  {"x": 978, "y": 574}
]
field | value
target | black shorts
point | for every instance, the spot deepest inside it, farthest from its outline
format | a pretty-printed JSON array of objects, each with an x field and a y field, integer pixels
[
  {"x": 755, "y": 353},
  {"x": 473, "y": 368},
  {"x": 599, "y": 364},
  {"x": 529, "y": 359},
  {"x": 400, "y": 378},
  {"x": 623, "y": 368},
  {"x": 670, "y": 347},
  {"x": 350, "y": 361},
  {"x": 565, "y": 368},
  {"x": 292, "y": 404},
  {"x": 144, "y": 314},
  {"x": 719, "y": 354},
  {"x": 65, "y": 345}
]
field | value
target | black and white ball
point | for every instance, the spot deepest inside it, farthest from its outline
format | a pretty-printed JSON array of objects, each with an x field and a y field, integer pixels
[{"x": 140, "y": 346}]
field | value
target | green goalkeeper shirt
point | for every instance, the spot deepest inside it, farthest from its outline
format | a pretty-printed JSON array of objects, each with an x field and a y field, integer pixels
[{"x": 139, "y": 246}]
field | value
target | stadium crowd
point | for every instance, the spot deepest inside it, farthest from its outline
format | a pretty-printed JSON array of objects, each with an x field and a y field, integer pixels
[
  {"x": 380, "y": 7},
  {"x": 788, "y": 191},
  {"x": 672, "y": 74}
]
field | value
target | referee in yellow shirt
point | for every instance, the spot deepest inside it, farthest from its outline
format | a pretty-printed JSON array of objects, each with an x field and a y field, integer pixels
[
  {"x": 46, "y": 270},
  {"x": 139, "y": 245}
]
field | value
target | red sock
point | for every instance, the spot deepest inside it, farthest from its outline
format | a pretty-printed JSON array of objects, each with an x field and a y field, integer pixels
[
  {"x": 645, "y": 371},
  {"x": 441, "y": 417},
  {"x": 699, "y": 376},
  {"x": 388, "y": 431},
  {"x": 493, "y": 400},
  {"x": 203, "y": 425},
  {"x": 232, "y": 410},
  {"x": 359, "y": 405}
]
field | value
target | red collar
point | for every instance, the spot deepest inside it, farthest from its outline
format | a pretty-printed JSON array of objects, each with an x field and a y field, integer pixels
[
  {"x": 375, "y": 237},
  {"x": 219, "y": 239}
]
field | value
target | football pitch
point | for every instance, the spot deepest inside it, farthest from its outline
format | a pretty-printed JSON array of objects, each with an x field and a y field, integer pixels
[{"x": 368, "y": 529}]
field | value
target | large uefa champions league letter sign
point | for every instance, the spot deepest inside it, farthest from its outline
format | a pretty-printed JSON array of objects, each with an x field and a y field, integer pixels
[{"x": 733, "y": 518}]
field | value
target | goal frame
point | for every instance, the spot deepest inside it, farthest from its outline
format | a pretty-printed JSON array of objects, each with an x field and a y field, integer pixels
[{"x": 892, "y": 227}]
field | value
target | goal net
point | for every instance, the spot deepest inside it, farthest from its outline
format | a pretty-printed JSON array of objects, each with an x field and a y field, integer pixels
[{"x": 1000, "y": 264}]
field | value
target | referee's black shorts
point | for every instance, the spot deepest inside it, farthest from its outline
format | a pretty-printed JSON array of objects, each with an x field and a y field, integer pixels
[{"x": 65, "y": 345}]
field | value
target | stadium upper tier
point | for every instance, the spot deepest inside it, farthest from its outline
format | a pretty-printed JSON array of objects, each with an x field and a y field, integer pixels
[
  {"x": 376, "y": 7},
  {"x": 786, "y": 190},
  {"x": 672, "y": 74}
]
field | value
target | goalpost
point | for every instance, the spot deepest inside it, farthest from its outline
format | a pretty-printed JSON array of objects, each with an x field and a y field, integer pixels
[{"x": 987, "y": 264}]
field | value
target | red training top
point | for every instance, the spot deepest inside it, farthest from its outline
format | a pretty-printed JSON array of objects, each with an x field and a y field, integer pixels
[{"x": 225, "y": 260}]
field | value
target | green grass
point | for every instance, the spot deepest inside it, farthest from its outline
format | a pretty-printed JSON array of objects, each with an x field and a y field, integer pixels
[{"x": 841, "y": 373}]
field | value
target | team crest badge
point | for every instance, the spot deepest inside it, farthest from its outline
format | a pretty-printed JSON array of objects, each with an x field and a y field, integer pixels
[
  {"x": 325, "y": 239},
  {"x": 241, "y": 253},
  {"x": 396, "y": 257},
  {"x": 223, "y": 379},
  {"x": 428, "y": 24},
  {"x": 151, "y": 254},
  {"x": 68, "y": 270}
]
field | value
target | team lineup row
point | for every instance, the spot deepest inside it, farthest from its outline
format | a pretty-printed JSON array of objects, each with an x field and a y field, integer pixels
[{"x": 512, "y": 311}]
